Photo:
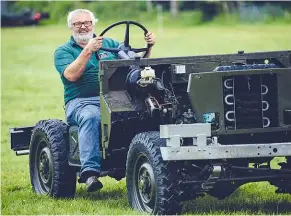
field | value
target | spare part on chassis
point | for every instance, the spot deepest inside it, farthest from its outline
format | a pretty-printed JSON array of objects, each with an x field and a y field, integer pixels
[{"x": 177, "y": 128}]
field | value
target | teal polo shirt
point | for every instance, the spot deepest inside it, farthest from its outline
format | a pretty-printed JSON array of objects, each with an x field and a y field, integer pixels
[{"x": 88, "y": 84}]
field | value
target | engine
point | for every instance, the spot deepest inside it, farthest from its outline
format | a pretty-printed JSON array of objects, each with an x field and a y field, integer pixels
[{"x": 156, "y": 91}]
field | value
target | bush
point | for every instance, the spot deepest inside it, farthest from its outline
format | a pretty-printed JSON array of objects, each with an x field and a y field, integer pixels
[
  {"x": 112, "y": 11},
  {"x": 105, "y": 10}
]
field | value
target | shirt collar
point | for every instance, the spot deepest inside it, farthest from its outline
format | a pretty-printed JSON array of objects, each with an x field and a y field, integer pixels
[{"x": 73, "y": 42}]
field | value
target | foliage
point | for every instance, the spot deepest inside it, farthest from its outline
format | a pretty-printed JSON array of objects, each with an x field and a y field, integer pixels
[
  {"x": 105, "y": 10},
  {"x": 191, "y": 12},
  {"x": 187, "y": 18}
]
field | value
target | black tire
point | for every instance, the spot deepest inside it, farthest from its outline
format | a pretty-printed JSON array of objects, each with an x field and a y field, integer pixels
[
  {"x": 50, "y": 173},
  {"x": 151, "y": 183}
]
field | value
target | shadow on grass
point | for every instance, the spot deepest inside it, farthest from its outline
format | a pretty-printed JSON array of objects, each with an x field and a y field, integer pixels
[
  {"x": 268, "y": 207},
  {"x": 239, "y": 202},
  {"x": 103, "y": 194}
]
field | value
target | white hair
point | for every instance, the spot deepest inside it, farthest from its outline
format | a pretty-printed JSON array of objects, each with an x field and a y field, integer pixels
[{"x": 74, "y": 12}]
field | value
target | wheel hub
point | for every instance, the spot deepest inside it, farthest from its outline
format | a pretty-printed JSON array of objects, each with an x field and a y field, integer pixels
[
  {"x": 45, "y": 167},
  {"x": 146, "y": 184}
]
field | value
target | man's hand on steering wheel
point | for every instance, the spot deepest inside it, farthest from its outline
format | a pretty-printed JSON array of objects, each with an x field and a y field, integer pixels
[
  {"x": 95, "y": 44},
  {"x": 150, "y": 38}
]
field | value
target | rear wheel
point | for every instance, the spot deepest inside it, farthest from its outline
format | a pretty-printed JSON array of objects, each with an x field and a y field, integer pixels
[
  {"x": 152, "y": 186},
  {"x": 50, "y": 172}
]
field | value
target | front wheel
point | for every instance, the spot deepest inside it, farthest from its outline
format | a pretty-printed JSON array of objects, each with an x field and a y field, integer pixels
[
  {"x": 50, "y": 173},
  {"x": 151, "y": 183}
]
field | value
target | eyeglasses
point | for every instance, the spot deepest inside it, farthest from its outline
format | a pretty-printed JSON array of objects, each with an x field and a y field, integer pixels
[{"x": 79, "y": 24}]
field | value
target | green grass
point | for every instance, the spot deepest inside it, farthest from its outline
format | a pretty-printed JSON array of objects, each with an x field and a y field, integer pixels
[{"x": 31, "y": 90}]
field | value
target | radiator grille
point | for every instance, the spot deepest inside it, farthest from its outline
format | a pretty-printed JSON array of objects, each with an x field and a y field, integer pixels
[{"x": 250, "y": 101}]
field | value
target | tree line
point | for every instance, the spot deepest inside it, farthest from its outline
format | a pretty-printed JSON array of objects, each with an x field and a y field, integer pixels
[{"x": 206, "y": 10}]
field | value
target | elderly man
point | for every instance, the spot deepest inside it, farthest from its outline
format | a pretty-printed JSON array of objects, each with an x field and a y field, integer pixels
[{"x": 77, "y": 64}]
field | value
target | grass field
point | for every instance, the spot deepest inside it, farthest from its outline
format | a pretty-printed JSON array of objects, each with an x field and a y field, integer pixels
[{"x": 31, "y": 90}]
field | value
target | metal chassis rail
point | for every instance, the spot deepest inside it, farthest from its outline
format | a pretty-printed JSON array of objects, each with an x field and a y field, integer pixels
[{"x": 201, "y": 150}]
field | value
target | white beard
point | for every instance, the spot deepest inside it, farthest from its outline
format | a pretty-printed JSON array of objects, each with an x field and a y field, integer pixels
[{"x": 82, "y": 38}]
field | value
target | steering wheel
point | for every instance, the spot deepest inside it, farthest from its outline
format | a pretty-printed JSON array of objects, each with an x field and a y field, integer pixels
[{"x": 126, "y": 47}]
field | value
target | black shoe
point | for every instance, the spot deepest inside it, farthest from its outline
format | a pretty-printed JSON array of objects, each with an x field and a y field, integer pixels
[
  {"x": 93, "y": 184},
  {"x": 86, "y": 174}
]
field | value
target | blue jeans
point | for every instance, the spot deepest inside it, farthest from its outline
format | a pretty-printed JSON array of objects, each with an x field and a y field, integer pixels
[{"x": 85, "y": 112}]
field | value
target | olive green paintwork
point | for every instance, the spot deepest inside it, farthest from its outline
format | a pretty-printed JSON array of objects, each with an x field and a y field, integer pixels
[{"x": 209, "y": 98}]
